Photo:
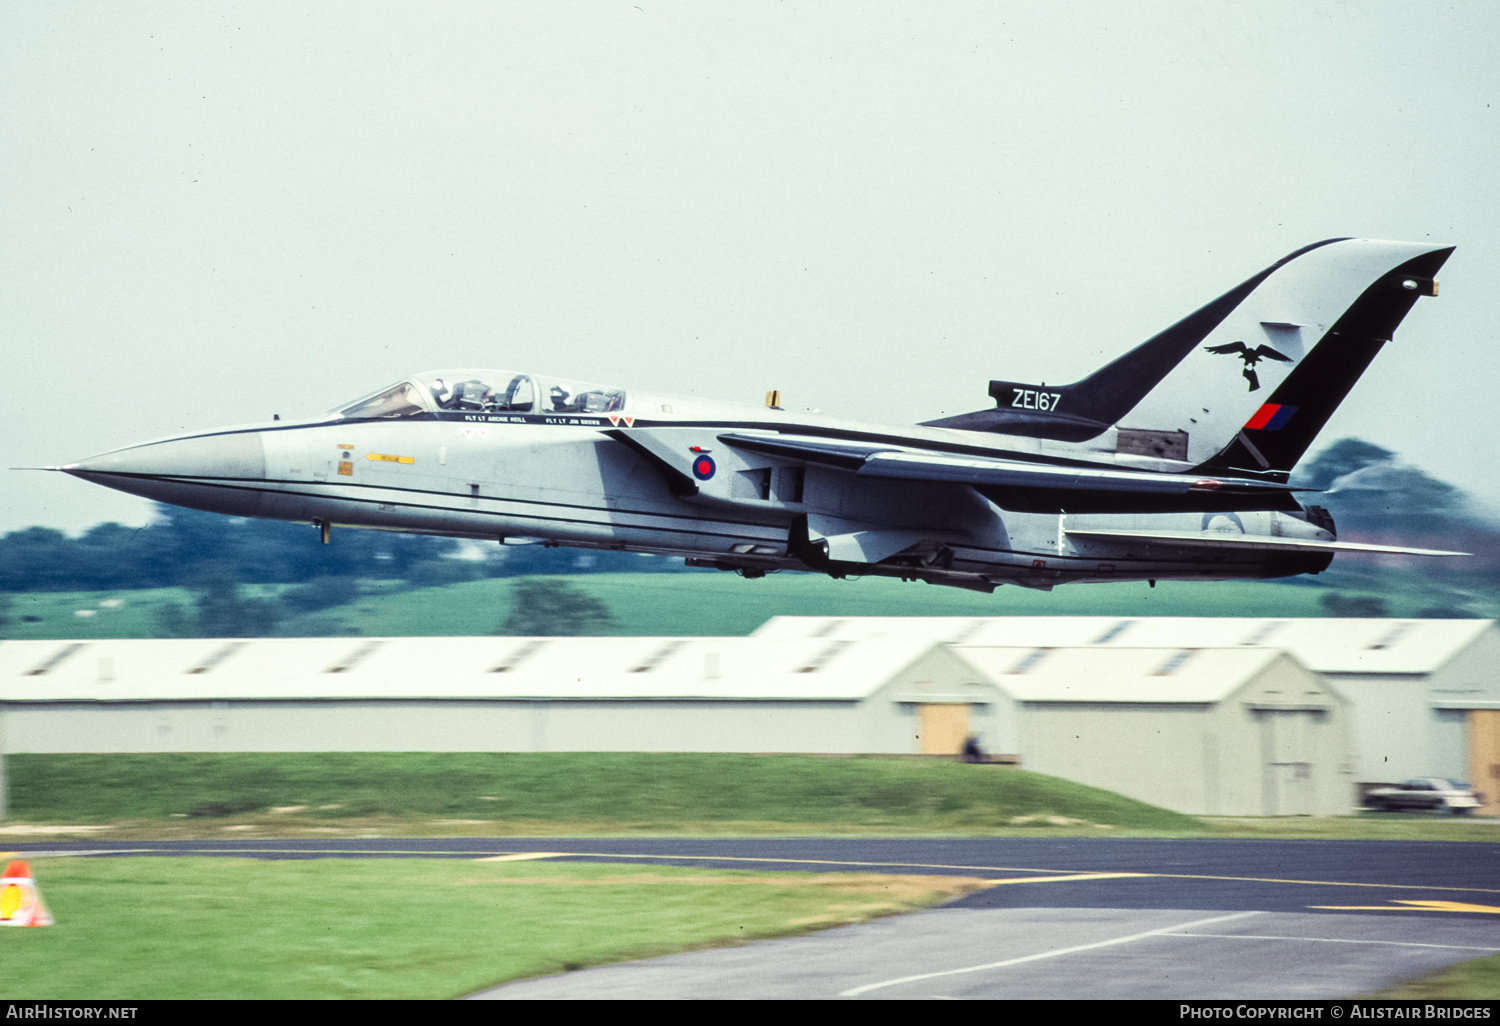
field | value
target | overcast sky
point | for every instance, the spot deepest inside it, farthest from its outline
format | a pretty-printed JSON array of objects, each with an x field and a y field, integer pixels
[{"x": 210, "y": 213}]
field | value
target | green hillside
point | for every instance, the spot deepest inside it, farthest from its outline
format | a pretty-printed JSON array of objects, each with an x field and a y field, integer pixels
[
  {"x": 685, "y": 604},
  {"x": 556, "y": 792}
]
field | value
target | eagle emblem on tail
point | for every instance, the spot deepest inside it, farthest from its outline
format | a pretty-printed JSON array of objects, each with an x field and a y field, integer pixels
[{"x": 1251, "y": 358}]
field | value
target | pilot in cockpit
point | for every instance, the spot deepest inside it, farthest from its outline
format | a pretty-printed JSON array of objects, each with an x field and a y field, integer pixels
[
  {"x": 475, "y": 395},
  {"x": 472, "y": 395},
  {"x": 464, "y": 395},
  {"x": 598, "y": 400}
]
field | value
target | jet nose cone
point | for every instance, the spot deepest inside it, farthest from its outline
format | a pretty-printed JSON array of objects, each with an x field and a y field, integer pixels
[
  {"x": 238, "y": 456},
  {"x": 213, "y": 472}
]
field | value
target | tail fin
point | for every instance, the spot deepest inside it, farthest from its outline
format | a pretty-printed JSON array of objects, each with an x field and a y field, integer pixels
[
  {"x": 1273, "y": 356},
  {"x": 1282, "y": 427}
]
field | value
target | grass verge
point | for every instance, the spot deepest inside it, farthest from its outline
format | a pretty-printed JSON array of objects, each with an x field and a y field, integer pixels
[
  {"x": 570, "y": 794},
  {"x": 1478, "y": 980},
  {"x": 411, "y": 928},
  {"x": 557, "y": 792},
  {"x": 1362, "y": 826}
]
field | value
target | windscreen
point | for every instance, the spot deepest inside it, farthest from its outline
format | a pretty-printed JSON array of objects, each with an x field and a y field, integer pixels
[{"x": 400, "y": 400}]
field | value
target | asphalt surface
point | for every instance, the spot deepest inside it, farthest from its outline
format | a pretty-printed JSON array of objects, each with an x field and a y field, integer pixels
[
  {"x": 1065, "y": 918},
  {"x": 1049, "y": 954}
]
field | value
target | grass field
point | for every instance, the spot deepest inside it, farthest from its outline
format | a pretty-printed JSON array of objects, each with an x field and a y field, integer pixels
[
  {"x": 400, "y": 928},
  {"x": 345, "y": 794},
  {"x": 725, "y": 604},
  {"x": 110, "y": 614},
  {"x": 555, "y": 793},
  {"x": 675, "y": 604},
  {"x": 1478, "y": 980}
]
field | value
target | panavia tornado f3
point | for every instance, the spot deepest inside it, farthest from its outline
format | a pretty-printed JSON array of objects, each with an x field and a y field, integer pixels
[{"x": 1171, "y": 462}]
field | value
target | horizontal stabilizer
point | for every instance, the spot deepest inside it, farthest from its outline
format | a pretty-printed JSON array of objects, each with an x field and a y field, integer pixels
[{"x": 1226, "y": 540}]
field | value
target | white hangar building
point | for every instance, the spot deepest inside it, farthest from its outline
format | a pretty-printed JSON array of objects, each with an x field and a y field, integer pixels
[
  {"x": 1235, "y": 731},
  {"x": 1207, "y": 731},
  {"x": 480, "y": 694},
  {"x": 1424, "y": 695}
]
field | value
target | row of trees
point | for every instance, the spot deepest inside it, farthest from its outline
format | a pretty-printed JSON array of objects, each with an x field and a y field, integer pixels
[
  {"x": 1376, "y": 497},
  {"x": 221, "y": 609},
  {"x": 184, "y": 547},
  {"x": 1369, "y": 488}
]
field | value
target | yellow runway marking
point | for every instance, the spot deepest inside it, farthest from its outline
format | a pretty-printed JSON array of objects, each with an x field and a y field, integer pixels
[
  {"x": 524, "y": 856},
  {"x": 1328, "y": 883},
  {"x": 1062, "y": 879},
  {"x": 1333, "y": 940},
  {"x": 1416, "y": 906}
]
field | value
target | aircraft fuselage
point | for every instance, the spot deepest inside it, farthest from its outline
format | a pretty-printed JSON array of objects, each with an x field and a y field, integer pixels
[
  {"x": 601, "y": 481},
  {"x": 1173, "y": 461}
]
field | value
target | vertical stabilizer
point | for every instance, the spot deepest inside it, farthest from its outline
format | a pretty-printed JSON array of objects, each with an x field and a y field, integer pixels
[
  {"x": 1284, "y": 423},
  {"x": 1243, "y": 384}
]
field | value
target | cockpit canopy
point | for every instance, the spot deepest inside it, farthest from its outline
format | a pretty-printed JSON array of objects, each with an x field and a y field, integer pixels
[
  {"x": 472, "y": 392},
  {"x": 483, "y": 392}
]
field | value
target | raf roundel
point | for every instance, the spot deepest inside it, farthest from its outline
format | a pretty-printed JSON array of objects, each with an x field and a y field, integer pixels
[{"x": 703, "y": 466}]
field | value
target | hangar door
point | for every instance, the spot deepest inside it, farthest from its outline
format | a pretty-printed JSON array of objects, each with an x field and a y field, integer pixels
[
  {"x": 1484, "y": 757},
  {"x": 942, "y": 728},
  {"x": 1287, "y": 761}
]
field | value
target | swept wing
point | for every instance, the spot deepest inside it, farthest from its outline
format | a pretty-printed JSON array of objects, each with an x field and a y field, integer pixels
[{"x": 873, "y": 460}]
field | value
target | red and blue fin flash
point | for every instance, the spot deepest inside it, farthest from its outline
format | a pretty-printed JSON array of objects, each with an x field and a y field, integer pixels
[{"x": 1271, "y": 417}]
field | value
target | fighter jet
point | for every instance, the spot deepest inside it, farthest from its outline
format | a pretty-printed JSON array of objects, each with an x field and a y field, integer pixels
[{"x": 1159, "y": 465}]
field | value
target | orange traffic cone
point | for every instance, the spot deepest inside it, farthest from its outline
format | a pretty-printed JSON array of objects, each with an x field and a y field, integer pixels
[{"x": 20, "y": 901}]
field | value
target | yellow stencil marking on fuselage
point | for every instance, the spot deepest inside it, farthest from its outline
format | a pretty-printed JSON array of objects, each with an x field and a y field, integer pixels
[{"x": 383, "y": 458}]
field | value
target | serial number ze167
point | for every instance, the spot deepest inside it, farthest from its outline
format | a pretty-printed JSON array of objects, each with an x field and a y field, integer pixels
[{"x": 1029, "y": 399}]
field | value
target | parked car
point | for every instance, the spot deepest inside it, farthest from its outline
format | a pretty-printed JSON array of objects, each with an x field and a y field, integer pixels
[{"x": 1429, "y": 793}]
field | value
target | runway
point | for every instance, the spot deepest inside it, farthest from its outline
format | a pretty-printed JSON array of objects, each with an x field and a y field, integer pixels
[
  {"x": 1065, "y": 918},
  {"x": 1049, "y": 954}
]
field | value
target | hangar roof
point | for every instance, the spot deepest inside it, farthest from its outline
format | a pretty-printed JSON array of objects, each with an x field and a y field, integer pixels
[
  {"x": 805, "y": 669},
  {"x": 1363, "y": 646},
  {"x": 1142, "y": 675}
]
